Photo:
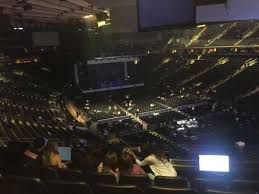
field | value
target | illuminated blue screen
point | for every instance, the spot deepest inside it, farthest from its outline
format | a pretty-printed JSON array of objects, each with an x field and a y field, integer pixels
[{"x": 158, "y": 13}]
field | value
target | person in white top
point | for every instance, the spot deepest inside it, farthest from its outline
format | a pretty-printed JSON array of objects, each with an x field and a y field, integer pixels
[{"x": 158, "y": 163}]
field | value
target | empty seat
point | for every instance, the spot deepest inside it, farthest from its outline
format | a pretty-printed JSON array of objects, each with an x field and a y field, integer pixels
[
  {"x": 23, "y": 185},
  {"x": 174, "y": 182},
  {"x": 188, "y": 171},
  {"x": 70, "y": 175},
  {"x": 116, "y": 189},
  {"x": 166, "y": 190},
  {"x": 42, "y": 173},
  {"x": 1, "y": 180},
  {"x": 245, "y": 184},
  {"x": 139, "y": 180},
  {"x": 67, "y": 187},
  {"x": 106, "y": 178},
  {"x": 203, "y": 184},
  {"x": 229, "y": 192}
]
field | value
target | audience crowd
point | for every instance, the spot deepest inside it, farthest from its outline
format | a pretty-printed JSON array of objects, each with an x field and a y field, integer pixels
[{"x": 112, "y": 158}]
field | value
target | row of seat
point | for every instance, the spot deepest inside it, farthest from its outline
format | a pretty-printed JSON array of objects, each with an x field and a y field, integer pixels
[
  {"x": 142, "y": 182},
  {"x": 27, "y": 185},
  {"x": 92, "y": 177}
]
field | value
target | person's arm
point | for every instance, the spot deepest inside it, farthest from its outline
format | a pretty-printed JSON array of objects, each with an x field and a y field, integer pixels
[
  {"x": 135, "y": 149},
  {"x": 147, "y": 161},
  {"x": 59, "y": 161},
  {"x": 100, "y": 168},
  {"x": 138, "y": 170}
]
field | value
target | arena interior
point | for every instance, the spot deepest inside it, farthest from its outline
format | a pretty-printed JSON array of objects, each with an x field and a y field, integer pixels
[{"x": 129, "y": 97}]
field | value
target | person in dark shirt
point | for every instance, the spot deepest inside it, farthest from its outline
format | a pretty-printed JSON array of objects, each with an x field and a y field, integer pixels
[
  {"x": 127, "y": 166},
  {"x": 32, "y": 157}
]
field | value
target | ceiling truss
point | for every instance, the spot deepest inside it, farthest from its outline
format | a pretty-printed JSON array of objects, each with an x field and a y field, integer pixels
[{"x": 47, "y": 10}]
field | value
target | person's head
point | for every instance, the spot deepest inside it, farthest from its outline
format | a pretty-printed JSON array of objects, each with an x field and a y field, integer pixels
[
  {"x": 126, "y": 162},
  {"x": 158, "y": 151},
  {"x": 52, "y": 147},
  {"x": 145, "y": 149},
  {"x": 111, "y": 160},
  {"x": 39, "y": 144}
]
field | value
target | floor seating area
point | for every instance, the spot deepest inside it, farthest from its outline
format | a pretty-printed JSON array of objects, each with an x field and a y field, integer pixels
[{"x": 77, "y": 182}]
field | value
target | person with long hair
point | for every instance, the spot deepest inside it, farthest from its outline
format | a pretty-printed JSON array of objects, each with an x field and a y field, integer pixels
[
  {"x": 109, "y": 164},
  {"x": 128, "y": 166},
  {"x": 157, "y": 161},
  {"x": 51, "y": 157}
]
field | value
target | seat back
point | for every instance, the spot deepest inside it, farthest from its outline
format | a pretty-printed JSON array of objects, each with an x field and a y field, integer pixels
[
  {"x": 1, "y": 180},
  {"x": 116, "y": 189},
  {"x": 23, "y": 185},
  {"x": 139, "y": 180},
  {"x": 70, "y": 175},
  {"x": 42, "y": 173},
  {"x": 67, "y": 187},
  {"x": 203, "y": 184},
  {"x": 245, "y": 184},
  {"x": 230, "y": 192},
  {"x": 173, "y": 182},
  {"x": 105, "y": 178},
  {"x": 165, "y": 190}
]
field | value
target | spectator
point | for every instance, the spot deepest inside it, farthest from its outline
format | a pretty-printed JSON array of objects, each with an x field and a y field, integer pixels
[
  {"x": 109, "y": 164},
  {"x": 32, "y": 157},
  {"x": 157, "y": 161},
  {"x": 127, "y": 165},
  {"x": 51, "y": 157}
]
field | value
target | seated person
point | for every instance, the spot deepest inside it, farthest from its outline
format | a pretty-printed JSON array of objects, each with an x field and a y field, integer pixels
[
  {"x": 157, "y": 161},
  {"x": 127, "y": 165},
  {"x": 109, "y": 164},
  {"x": 32, "y": 157},
  {"x": 51, "y": 157}
]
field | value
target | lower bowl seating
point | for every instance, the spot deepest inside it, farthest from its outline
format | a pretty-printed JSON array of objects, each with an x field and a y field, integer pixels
[
  {"x": 174, "y": 182},
  {"x": 164, "y": 190},
  {"x": 67, "y": 187},
  {"x": 140, "y": 180},
  {"x": 116, "y": 189},
  {"x": 23, "y": 185}
]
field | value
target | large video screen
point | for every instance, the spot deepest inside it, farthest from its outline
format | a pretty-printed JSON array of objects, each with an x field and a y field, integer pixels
[
  {"x": 232, "y": 10},
  {"x": 162, "y": 13}
]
